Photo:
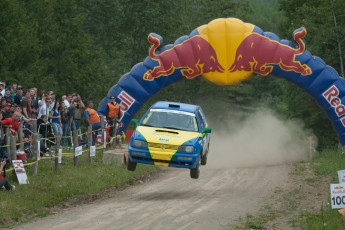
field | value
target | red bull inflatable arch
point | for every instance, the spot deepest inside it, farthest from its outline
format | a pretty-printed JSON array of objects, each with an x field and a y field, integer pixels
[{"x": 228, "y": 51}]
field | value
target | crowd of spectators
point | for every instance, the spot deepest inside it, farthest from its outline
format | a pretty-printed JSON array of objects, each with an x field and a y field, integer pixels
[{"x": 55, "y": 115}]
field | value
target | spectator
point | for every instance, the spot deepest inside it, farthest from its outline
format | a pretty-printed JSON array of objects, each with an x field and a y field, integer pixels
[
  {"x": 35, "y": 99},
  {"x": 112, "y": 115},
  {"x": 78, "y": 113},
  {"x": 8, "y": 95},
  {"x": 68, "y": 103},
  {"x": 13, "y": 88},
  {"x": 12, "y": 122},
  {"x": 44, "y": 107},
  {"x": 64, "y": 100},
  {"x": 3, "y": 103},
  {"x": 52, "y": 100},
  {"x": 64, "y": 120},
  {"x": 71, "y": 112},
  {"x": 55, "y": 119},
  {"x": 27, "y": 105},
  {"x": 19, "y": 95},
  {"x": 2, "y": 88},
  {"x": 92, "y": 119},
  {"x": 3, "y": 181},
  {"x": 6, "y": 111},
  {"x": 45, "y": 131}
]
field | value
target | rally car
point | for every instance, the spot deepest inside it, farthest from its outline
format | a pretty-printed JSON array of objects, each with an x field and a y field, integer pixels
[{"x": 170, "y": 134}]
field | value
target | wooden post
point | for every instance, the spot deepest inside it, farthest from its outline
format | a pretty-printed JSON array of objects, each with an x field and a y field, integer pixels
[
  {"x": 35, "y": 151},
  {"x": 103, "y": 130},
  {"x": 21, "y": 137},
  {"x": 89, "y": 139},
  {"x": 13, "y": 147},
  {"x": 75, "y": 145},
  {"x": 57, "y": 148},
  {"x": 8, "y": 143}
]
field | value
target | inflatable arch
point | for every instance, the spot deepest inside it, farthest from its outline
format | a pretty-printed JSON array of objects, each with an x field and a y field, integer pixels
[{"x": 225, "y": 52}]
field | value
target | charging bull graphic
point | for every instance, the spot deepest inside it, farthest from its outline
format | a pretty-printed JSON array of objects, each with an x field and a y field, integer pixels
[
  {"x": 202, "y": 58},
  {"x": 258, "y": 54}
]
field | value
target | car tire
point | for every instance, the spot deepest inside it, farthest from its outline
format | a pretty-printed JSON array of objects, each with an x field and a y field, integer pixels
[
  {"x": 195, "y": 172},
  {"x": 204, "y": 157},
  {"x": 131, "y": 166}
]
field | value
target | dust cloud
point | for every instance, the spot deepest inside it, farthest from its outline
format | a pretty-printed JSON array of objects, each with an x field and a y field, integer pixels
[{"x": 263, "y": 139}]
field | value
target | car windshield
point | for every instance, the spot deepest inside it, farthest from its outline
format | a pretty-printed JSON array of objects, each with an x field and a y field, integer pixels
[{"x": 170, "y": 119}]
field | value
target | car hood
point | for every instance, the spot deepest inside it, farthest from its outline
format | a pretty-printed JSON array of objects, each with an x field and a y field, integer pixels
[{"x": 167, "y": 136}]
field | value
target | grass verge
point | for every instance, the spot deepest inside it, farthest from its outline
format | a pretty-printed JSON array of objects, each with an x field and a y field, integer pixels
[
  {"x": 75, "y": 184},
  {"x": 304, "y": 201}
]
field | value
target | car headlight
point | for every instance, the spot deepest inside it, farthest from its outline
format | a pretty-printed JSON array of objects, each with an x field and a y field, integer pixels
[
  {"x": 140, "y": 144},
  {"x": 186, "y": 149}
]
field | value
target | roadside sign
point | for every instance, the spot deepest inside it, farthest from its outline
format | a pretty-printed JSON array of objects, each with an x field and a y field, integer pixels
[
  {"x": 341, "y": 176},
  {"x": 338, "y": 195},
  {"x": 92, "y": 151},
  {"x": 20, "y": 171},
  {"x": 60, "y": 156},
  {"x": 78, "y": 151}
]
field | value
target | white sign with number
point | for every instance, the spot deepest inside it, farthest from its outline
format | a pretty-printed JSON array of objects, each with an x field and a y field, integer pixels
[
  {"x": 78, "y": 151},
  {"x": 338, "y": 195},
  {"x": 60, "y": 156},
  {"x": 341, "y": 176},
  {"x": 92, "y": 151},
  {"x": 38, "y": 150},
  {"x": 20, "y": 171}
]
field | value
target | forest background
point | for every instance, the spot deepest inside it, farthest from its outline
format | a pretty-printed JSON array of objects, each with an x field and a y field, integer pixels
[{"x": 85, "y": 46}]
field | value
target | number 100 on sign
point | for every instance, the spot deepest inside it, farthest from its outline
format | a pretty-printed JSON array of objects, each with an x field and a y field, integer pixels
[{"x": 338, "y": 195}]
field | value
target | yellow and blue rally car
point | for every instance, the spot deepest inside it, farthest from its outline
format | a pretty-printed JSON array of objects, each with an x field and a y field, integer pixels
[{"x": 170, "y": 134}]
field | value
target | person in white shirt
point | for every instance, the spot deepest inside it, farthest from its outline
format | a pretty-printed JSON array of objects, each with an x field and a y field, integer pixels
[
  {"x": 65, "y": 100},
  {"x": 44, "y": 109},
  {"x": 2, "y": 88}
]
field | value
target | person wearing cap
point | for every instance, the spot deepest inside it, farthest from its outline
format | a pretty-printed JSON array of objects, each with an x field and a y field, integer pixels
[{"x": 112, "y": 112}]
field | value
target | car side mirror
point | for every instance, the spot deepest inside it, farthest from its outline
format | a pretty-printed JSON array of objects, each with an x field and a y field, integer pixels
[
  {"x": 206, "y": 130},
  {"x": 135, "y": 121}
]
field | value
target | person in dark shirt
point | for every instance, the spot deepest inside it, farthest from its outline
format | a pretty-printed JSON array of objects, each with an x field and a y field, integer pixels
[
  {"x": 3, "y": 181},
  {"x": 19, "y": 95}
]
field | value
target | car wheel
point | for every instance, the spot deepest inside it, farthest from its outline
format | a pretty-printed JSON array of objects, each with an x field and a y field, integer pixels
[
  {"x": 131, "y": 166},
  {"x": 195, "y": 172},
  {"x": 204, "y": 157}
]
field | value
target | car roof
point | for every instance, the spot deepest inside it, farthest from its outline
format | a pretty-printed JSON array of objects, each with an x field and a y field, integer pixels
[{"x": 175, "y": 106}]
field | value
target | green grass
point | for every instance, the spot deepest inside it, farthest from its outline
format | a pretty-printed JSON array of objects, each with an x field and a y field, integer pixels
[
  {"x": 324, "y": 165},
  {"x": 50, "y": 188}
]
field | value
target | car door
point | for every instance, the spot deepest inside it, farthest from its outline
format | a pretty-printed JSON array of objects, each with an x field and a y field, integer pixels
[{"x": 203, "y": 124}]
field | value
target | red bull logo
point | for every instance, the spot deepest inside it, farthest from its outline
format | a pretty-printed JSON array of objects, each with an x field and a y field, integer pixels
[
  {"x": 338, "y": 187},
  {"x": 258, "y": 54},
  {"x": 200, "y": 59}
]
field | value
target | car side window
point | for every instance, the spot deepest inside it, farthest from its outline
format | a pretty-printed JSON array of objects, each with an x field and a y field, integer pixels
[{"x": 201, "y": 119}]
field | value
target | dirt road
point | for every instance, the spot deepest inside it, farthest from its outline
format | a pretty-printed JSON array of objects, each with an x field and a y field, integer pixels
[
  {"x": 244, "y": 169},
  {"x": 174, "y": 201}
]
